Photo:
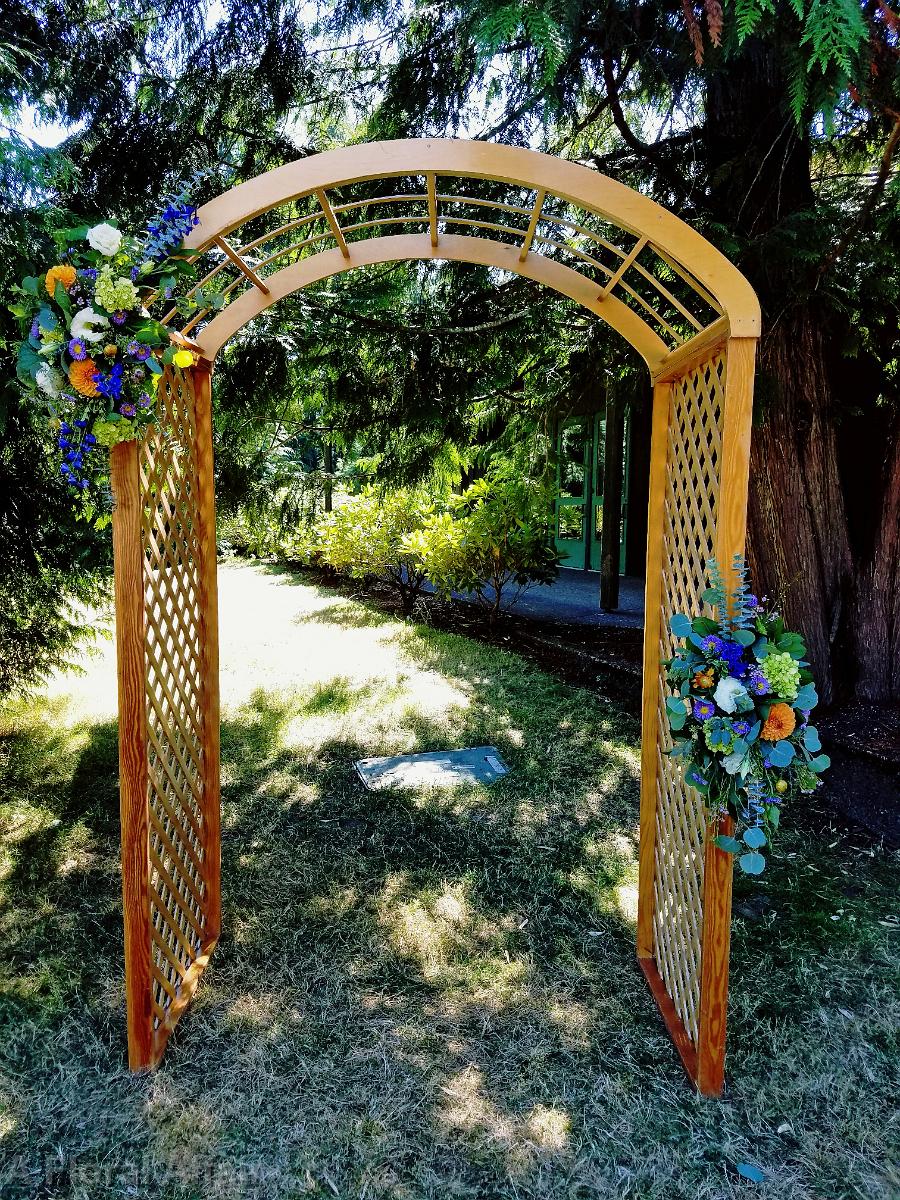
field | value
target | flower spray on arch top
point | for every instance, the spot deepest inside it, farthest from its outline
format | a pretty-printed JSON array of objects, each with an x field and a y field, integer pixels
[
  {"x": 91, "y": 354},
  {"x": 740, "y": 713}
]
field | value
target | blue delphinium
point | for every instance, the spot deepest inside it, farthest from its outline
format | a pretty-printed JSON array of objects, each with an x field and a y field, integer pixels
[
  {"x": 168, "y": 231},
  {"x": 110, "y": 385}
]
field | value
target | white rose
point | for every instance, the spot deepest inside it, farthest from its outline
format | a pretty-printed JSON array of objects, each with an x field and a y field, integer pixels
[
  {"x": 105, "y": 238},
  {"x": 86, "y": 323},
  {"x": 728, "y": 692},
  {"x": 49, "y": 380}
]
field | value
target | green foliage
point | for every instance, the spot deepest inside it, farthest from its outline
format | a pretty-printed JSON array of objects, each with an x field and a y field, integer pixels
[
  {"x": 495, "y": 538},
  {"x": 368, "y": 537},
  {"x": 536, "y": 23}
]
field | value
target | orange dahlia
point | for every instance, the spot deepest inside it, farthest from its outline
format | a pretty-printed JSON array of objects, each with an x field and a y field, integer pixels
[
  {"x": 81, "y": 377},
  {"x": 780, "y": 723},
  {"x": 64, "y": 274}
]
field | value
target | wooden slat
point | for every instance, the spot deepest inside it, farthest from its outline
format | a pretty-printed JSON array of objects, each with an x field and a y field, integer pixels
[
  {"x": 730, "y": 538},
  {"x": 700, "y": 348},
  {"x": 432, "y": 207},
  {"x": 209, "y": 615},
  {"x": 332, "y": 222},
  {"x": 652, "y": 610},
  {"x": 623, "y": 266},
  {"x": 243, "y": 266},
  {"x": 533, "y": 223},
  {"x": 129, "y": 592}
]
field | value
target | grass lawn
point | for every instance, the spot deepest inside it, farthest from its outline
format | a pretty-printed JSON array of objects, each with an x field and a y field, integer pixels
[{"x": 423, "y": 994}]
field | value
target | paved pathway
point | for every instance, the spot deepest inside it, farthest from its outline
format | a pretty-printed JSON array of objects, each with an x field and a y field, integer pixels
[{"x": 574, "y": 598}]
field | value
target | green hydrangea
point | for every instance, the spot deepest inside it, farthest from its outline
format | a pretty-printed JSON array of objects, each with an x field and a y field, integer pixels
[
  {"x": 110, "y": 433},
  {"x": 114, "y": 292},
  {"x": 783, "y": 675}
]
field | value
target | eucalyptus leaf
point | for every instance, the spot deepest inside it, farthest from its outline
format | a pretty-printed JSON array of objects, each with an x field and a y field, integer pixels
[
  {"x": 807, "y": 697},
  {"x": 820, "y": 763},
  {"x": 811, "y": 739},
  {"x": 781, "y": 754},
  {"x": 754, "y": 837},
  {"x": 680, "y": 626},
  {"x": 744, "y": 637},
  {"x": 729, "y": 844},
  {"x": 752, "y": 863}
]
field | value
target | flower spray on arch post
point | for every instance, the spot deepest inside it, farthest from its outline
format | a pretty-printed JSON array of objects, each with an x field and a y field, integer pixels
[
  {"x": 91, "y": 354},
  {"x": 740, "y": 713}
]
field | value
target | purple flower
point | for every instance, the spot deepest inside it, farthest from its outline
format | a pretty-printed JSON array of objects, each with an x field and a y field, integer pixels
[
  {"x": 127, "y": 409},
  {"x": 119, "y": 317},
  {"x": 145, "y": 401},
  {"x": 78, "y": 349},
  {"x": 741, "y": 728},
  {"x": 757, "y": 684},
  {"x": 88, "y": 273},
  {"x": 35, "y": 328},
  {"x": 713, "y": 645},
  {"x": 696, "y": 779},
  {"x": 136, "y": 350},
  {"x": 704, "y": 709}
]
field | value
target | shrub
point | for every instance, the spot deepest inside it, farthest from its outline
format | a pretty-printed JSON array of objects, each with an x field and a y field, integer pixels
[
  {"x": 366, "y": 538},
  {"x": 496, "y": 539}
]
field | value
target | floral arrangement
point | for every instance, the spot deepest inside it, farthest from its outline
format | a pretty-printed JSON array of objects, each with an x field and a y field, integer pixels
[
  {"x": 744, "y": 693},
  {"x": 91, "y": 354}
]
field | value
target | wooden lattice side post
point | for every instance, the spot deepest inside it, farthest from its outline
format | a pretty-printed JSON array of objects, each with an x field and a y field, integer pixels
[
  {"x": 128, "y": 557},
  {"x": 167, "y": 636},
  {"x": 201, "y": 376},
  {"x": 697, "y": 509}
]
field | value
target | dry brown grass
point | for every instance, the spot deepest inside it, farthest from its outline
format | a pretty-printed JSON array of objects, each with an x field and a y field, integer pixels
[{"x": 427, "y": 994}]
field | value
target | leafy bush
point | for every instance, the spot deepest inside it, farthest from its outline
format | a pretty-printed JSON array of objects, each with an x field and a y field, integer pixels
[
  {"x": 367, "y": 538},
  {"x": 495, "y": 539}
]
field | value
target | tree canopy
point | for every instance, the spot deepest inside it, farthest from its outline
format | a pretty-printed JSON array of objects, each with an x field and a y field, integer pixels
[{"x": 771, "y": 125}]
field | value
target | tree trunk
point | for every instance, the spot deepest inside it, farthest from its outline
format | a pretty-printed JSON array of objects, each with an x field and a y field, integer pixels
[
  {"x": 800, "y": 548},
  {"x": 874, "y": 616}
]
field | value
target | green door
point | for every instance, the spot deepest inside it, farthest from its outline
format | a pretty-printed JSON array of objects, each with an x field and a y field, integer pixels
[
  {"x": 574, "y": 454},
  {"x": 596, "y": 510}
]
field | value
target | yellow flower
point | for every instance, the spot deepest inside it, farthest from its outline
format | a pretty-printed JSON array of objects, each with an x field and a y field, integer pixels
[
  {"x": 111, "y": 350},
  {"x": 81, "y": 377},
  {"x": 780, "y": 723},
  {"x": 64, "y": 274},
  {"x": 183, "y": 358}
]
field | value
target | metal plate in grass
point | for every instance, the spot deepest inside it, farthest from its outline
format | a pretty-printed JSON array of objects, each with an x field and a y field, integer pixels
[{"x": 440, "y": 768}]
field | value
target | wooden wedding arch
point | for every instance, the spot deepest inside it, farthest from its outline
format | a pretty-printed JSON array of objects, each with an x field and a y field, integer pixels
[{"x": 683, "y": 306}]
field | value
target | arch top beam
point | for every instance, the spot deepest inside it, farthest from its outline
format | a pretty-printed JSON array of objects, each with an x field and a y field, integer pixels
[{"x": 514, "y": 165}]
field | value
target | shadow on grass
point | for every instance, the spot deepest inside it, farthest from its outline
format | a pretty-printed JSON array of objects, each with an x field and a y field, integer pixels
[{"x": 417, "y": 994}]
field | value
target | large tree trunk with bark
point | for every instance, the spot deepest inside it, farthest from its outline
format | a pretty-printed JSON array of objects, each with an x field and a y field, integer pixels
[{"x": 824, "y": 515}]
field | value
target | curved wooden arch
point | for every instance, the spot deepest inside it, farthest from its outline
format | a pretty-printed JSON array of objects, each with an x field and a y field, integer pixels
[
  {"x": 708, "y": 272},
  {"x": 700, "y": 349}
]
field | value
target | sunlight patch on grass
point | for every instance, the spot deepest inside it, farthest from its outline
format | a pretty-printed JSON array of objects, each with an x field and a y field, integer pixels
[{"x": 420, "y": 995}]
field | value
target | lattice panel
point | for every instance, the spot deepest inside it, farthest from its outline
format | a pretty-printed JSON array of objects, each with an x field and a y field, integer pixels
[
  {"x": 178, "y": 881},
  {"x": 693, "y": 460}
]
